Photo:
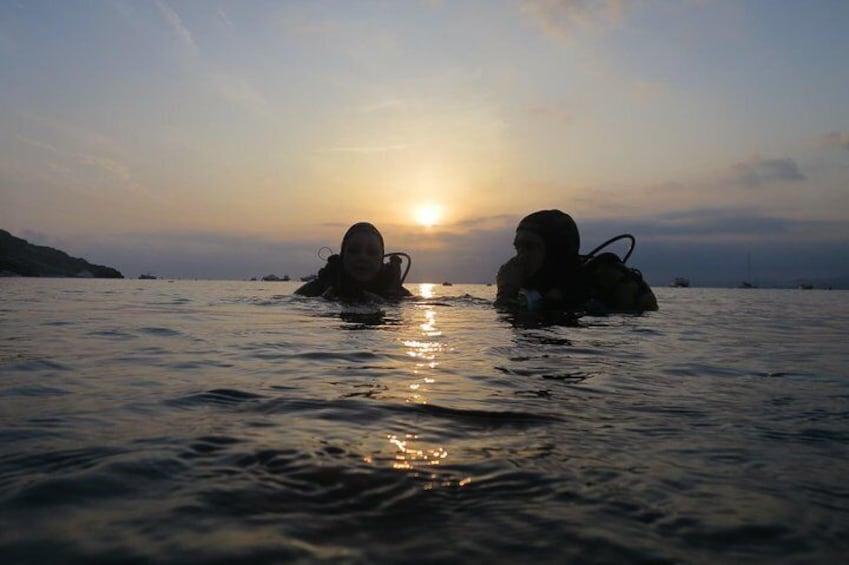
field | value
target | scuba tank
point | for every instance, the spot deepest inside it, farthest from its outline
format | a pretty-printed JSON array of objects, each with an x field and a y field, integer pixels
[
  {"x": 617, "y": 286},
  {"x": 392, "y": 270},
  {"x": 390, "y": 280}
]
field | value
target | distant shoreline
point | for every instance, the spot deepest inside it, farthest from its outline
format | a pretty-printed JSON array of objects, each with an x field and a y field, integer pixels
[
  {"x": 294, "y": 284},
  {"x": 18, "y": 257}
]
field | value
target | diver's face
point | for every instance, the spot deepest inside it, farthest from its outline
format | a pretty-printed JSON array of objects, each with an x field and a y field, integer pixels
[
  {"x": 362, "y": 256},
  {"x": 530, "y": 249}
]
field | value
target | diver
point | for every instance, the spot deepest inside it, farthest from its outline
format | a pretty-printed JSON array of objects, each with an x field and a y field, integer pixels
[
  {"x": 358, "y": 271},
  {"x": 549, "y": 273}
]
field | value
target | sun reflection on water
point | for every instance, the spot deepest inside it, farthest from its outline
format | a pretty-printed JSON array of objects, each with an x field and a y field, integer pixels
[
  {"x": 411, "y": 453},
  {"x": 429, "y": 326},
  {"x": 425, "y": 349},
  {"x": 407, "y": 455},
  {"x": 426, "y": 290}
]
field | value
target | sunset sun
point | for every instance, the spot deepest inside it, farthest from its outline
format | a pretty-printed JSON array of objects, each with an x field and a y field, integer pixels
[{"x": 428, "y": 214}]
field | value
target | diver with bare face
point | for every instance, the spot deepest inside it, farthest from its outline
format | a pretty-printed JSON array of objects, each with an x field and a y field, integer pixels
[{"x": 358, "y": 271}]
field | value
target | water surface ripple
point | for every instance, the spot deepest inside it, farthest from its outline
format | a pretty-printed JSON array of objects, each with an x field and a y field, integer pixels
[{"x": 212, "y": 422}]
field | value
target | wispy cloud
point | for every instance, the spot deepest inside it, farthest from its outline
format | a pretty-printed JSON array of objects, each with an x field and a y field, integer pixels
[
  {"x": 562, "y": 18},
  {"x": 757, "y": 171},
  {"x": 836, "y": 139},
  {"x": 240, "y": 92},
  {"x": 224, "y": 19},
  {"x": 369, "y": 148},
  {"x": 109, "y": 167},
  {"x": 551, "y": 114},
  {"x": 715, "y": 223},
  {"x": 36, "y": 143},
  {"x": 355, "y": 35},
  {"x": 176, "y": 23},
  {"x": 392, "y": 104}
]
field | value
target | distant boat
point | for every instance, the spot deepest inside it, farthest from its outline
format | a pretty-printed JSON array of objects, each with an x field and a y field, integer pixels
[
  {"x": 680, "y": 282},
  {"x": 806, "y": 286},
  {"x": 147, "y": 276},
  {"x": 275, "y": 278},
  {"x": 446, "y": 283},
  {"x": 746, "y": 283}
]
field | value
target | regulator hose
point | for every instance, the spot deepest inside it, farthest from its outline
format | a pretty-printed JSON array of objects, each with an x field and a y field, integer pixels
[{"x": 628, "y": 236}]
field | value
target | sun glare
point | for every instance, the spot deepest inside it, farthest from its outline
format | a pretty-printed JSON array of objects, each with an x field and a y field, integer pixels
[{"x": 428, "y": 215}]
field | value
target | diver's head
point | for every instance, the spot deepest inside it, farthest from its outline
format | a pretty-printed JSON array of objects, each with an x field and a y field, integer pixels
[
  {"x": 362, "y": 252},
  {"x": 547, "y": 242},
  {"x": 530, "y": 249}
]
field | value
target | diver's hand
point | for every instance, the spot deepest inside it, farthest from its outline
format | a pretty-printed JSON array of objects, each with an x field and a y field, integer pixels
[{"x": 510, "y": 278}]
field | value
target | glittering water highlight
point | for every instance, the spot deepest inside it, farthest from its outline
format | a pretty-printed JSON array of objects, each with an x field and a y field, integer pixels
[{"x": 191, "y": 421}]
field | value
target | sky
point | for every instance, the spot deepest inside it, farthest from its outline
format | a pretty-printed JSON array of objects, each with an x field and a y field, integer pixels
[{"x": 232, "y": 139}]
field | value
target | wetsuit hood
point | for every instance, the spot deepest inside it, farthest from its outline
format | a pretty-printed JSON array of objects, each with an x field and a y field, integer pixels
[
  {"x": 556, "y": 228},
  {"x": 361, "y": 227},
  {"x": 562, "y": 244}
]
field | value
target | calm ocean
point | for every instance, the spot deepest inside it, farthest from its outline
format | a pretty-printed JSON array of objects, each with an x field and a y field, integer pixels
[{"x": 222, "y": 422}]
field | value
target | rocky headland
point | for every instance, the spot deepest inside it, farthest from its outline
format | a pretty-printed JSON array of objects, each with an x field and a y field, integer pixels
[{"x": 18, "y": 257}]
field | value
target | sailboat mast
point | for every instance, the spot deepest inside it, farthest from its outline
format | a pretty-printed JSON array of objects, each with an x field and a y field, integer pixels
[{"x": 748, "y": 267}]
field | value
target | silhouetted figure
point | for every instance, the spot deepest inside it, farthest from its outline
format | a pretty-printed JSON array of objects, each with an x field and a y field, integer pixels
[
  {"x": 358, "y": 271},
  {"x": 548, "y": 272}
]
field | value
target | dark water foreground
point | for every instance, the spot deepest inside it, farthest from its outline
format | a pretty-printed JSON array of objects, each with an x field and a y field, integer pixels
[{"x": 216, "y": 422}]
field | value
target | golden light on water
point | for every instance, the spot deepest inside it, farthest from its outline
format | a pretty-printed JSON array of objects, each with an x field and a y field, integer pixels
[
  {"x": 429, "y": 326},
  {"x": 407, "y": 455},
  {"x": 411, "y": 453},
  {"x": 425, "y": 351},
  {"x": 422, "y": 349},
  {"x": 426, "y": 290}
]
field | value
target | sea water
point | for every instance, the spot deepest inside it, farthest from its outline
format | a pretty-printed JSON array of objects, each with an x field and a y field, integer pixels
[{"x": 195, "y": 422}]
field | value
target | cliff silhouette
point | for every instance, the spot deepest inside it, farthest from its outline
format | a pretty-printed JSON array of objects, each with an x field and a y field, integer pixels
[{"x": 20, "y": 257}]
